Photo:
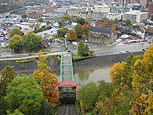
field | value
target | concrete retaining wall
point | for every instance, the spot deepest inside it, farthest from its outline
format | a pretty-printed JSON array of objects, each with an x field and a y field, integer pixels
[{"x": 98, "y": 61}]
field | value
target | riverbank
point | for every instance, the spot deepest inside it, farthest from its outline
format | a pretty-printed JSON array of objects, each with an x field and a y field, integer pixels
[{"x": 30, "y": 64}]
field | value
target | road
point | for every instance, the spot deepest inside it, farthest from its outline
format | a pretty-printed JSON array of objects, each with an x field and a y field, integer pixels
[
  {"x": 99, "y": 50},
  {"x": 121, "y": 49}
]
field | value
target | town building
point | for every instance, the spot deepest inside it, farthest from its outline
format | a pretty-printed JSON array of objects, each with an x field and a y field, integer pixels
[
  {"x": 135, "y": 16},
  {"x": 150, "y": 9},
  {"x": 101, "y": 35}
]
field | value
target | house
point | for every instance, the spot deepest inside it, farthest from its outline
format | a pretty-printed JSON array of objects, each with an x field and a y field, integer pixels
[{"x": 101, "y": 35}]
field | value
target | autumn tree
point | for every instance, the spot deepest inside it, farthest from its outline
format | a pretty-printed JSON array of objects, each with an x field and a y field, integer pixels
[
  {"x": 66, "y": 17},
  {"x": 116, "y": 20},
  {"x": 82, "y": 30},
  {"x": 143, "y": 84},
  {"x": 62, "y": 32},
  {"x": 110, "y": 22},
  {"x": 103, "y": 24},
  {"x": 15, "y": 31},
  {"x": 71, "y": 35},
  {"x": 47, "y": 80},
  {"x": 32, "y": 41},
  {"x": 16, "y": 43},
  {"x": 24, "y": 94}
]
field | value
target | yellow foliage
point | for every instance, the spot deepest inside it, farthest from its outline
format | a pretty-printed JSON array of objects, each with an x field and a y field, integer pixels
[
  {"x": 148, "y": 59},
  {"x": 116, "y": 70}
]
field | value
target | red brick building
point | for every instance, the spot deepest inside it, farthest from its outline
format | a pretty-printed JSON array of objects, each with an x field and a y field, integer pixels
[{"x": 150, "y": 8}]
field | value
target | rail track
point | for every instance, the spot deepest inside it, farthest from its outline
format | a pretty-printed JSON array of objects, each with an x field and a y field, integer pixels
[{"x": 68, "y": 109}]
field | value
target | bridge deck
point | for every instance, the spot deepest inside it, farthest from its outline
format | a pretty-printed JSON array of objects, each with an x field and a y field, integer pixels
[{"x": 66, "y": 67}]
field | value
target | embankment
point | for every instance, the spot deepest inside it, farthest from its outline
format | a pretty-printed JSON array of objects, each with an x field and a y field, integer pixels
[{"x": 24, "y": 66}]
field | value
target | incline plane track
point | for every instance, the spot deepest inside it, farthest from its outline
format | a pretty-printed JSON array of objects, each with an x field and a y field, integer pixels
[{"x": 68, "y": 109}]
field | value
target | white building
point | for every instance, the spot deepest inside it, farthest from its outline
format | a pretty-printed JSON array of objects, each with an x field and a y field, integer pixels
[
  {"x": 101, "y": 8},
  {"x": 135, "y": 16},
  {"x": 112, "y": 16}
]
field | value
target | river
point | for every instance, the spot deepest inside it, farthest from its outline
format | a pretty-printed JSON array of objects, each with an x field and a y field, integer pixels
[{"x": 91, "y": 75}]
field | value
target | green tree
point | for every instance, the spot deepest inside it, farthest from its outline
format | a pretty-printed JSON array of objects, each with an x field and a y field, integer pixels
[
  {"x": 15, "y": 31},
  {"x": 16, "y": 43},
  {"x": 62, "y": 32},
  {"x": 32, "y": 41},
  {"x": 24, "y": 16},
  {"x": 16, "y": 112},
  {"x": 88, "y": 96},
  {"x": 4, "y": 105},
  {"x": 7, "y": 75},
  {"x": 81, "y": 21},
  {"x": 24, "y": 94},
  {"x": 128, "y": 22},
  {"x": 84, "y": 36},
  {"x": 45, "y": 108},
  {"x": 61, "y": 23},
  {"x": 40, "y": 20},
  {"x": 83, "y": 50},
  {"x": 78, "y": 29}
]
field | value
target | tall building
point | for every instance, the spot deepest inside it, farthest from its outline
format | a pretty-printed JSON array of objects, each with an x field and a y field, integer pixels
[
  {"x": 143, "y": 3},
  {"x": 122, "y": 2}
]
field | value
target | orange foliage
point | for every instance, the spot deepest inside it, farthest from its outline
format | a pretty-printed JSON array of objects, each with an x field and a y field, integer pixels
[
  {"x": 71, "y": 35},
  {"x": 48, "y": 81}
]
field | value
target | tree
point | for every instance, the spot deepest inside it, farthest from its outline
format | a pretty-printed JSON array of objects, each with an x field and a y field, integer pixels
[
  {"x": 81, "y": 21},
  {"x": 116, "y": 20},
  {"x": 84, "y": 36},
  {"x": 45, "y": 108},
  {"x": 61, "y": 23},
  {"x": 88, "y": 95},
  {"x": 15, "y": 31},
  {"x": 83, "y": 50},
  {"x": 78, "y": 29},
  {"x": 16, "y": 43},
  {"x": 66, "y": 17},
  {"x": 47, "y": 80},
  {"x": 152, "y": 17},
  {"x": 71, "y": 35},
  {"x": 7, "y": 75},
  {"x": 32, "y": 41},
  {"x": 128, "y": 22},
  {"x": 24, "y": 94},
  {"x": 82, "y": 30},
  {"x": 143, "y": 84},
  {"x": 110, "y": 22},
  {"x": 62, "y": 32},
  {"x": 40, "y": 20},
  {"x": 24, "y": 16},
  {"x": 103, "y": 24}
]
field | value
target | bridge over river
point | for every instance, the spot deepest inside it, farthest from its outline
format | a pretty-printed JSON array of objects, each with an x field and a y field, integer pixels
[{"x": 67, "y": 78}]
